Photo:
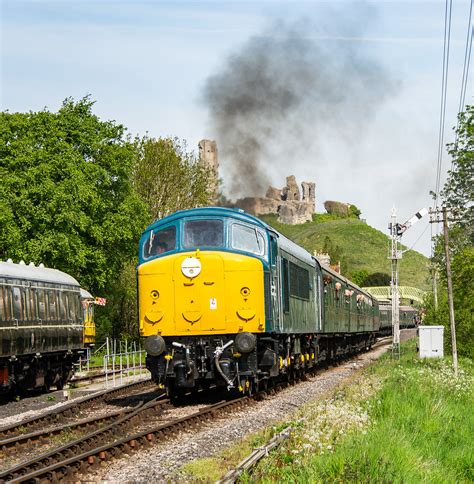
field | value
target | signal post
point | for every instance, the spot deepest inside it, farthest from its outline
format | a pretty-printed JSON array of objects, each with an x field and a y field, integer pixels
[{"x": 396, "y": 232}]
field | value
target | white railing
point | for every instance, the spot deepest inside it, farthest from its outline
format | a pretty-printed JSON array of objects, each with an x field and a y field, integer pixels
[{"x": 123, "y": 362}]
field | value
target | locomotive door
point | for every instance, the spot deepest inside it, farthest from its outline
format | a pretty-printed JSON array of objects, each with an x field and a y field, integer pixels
[{"x": 275, "y": 289}]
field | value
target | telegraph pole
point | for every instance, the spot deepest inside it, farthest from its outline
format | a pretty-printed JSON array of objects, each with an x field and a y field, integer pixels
[{"x": 435, "y": 219}]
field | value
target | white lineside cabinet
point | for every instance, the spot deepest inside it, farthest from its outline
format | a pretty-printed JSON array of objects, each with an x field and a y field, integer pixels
[{"x": 431, "y": 341}]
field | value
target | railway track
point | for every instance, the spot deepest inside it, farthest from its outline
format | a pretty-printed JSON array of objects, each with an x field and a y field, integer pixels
[
  {"x": 58, "y": 415},
  {"x": 111, "y": 441},
  {"x": 118, "y": 437}
]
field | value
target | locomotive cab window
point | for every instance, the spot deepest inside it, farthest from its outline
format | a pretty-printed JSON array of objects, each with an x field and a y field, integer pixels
[
  {"x": 160, "y": 242},
  {"x": 203, "y": 233},
  {"x": 248, "y": 239}
]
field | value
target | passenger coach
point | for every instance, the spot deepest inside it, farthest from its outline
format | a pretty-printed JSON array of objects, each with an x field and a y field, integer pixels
[{"x": 41, "y": 326}]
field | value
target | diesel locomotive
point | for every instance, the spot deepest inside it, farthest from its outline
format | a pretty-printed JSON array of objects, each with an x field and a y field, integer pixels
[
  {"x": 41, "y": 326},
  {"x": 226, "y": 300}
]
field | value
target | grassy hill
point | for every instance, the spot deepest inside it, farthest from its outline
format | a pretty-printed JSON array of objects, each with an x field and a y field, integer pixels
[{"x": 362, "y": 246}]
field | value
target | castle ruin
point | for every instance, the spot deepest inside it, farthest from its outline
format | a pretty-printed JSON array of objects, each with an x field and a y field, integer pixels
[{"x": 290, "y": 204}]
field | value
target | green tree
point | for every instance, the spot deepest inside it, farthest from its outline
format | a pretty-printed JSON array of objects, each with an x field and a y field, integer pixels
[
  {"x": 458, "y": 194},
  {"x": 377, "y": 279},
  {"x": 66, "y": 197},
  {"x": 354, "y": 212},
  {"x": 336, "y": 254},
  {"x": 359, "y": 277},
  {"x": 169, "y": 178}
]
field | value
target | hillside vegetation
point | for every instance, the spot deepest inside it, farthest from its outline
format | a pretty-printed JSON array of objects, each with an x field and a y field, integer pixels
[{"x": 362, "y": 247}]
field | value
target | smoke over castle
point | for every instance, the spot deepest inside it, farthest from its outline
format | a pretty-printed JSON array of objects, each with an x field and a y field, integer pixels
[{"x": 281, "y": 93}]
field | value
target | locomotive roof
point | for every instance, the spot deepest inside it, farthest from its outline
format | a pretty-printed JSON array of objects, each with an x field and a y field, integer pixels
[
  {"x": 287, "y": 244},
  {"x": 31, "y": 272},
  {"x": 239, "y": 214},
  {"x": 236, "y": 213}
]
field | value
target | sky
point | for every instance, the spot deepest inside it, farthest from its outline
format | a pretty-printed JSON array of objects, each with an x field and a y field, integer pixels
[{"x": 149, "y": 64}]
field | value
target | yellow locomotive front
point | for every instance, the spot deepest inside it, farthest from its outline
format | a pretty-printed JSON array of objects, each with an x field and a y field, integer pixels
[{"x": 201, "y": 287}]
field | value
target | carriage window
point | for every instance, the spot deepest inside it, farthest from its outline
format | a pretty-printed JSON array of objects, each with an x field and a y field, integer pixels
[
  {"x": 73, "y": 307},
  {"x": 41, "y": 305},
  {"x": 17, "y": 310},
  {"x": 5, "y": 305},
  {"x": 299, "y": 281},
  {"x": 32, "y": 304},
  {"x": 286, "y": 287},
  {"x": 248, "y": 239},
  {"x": 159, "y": 242},
  {"x": 53, "y": 306},
  {"x": 63, "y": 305},
  {"x": 24, "y": 305},
  {"x": 203, "y": 233}
]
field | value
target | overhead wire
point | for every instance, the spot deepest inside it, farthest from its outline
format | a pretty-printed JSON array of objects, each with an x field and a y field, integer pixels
[
  {"x": 444, "y": 88},
  {"x": 442, "y": 115},
  {"x": 465, "y": 71},
  {"x": 419, "y": 237}
]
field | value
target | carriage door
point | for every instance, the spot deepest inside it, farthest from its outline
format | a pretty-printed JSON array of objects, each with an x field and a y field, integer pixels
[{"x": 275, "y": 289}]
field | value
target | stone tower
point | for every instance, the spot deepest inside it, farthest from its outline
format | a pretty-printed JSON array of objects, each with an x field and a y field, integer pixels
[
  {"x": 309, "y": 193},
  {"x": 208, "y": 157}
]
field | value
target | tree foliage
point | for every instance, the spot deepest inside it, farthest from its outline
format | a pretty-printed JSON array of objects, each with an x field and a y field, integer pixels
[
  {"x": 336, "y": 254},
  {"x": 168, "y": 177},
  {"x": 458, "y": 194},
  {"x": 66, "y": 197},
  {"x": 358, "y": 277},
  {"x": 377, "y": 279}
]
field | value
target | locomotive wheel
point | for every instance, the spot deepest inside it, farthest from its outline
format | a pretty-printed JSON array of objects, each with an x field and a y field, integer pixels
[
  {"x": 176, "y": 395},
  {"x": 251, "y": 386}
]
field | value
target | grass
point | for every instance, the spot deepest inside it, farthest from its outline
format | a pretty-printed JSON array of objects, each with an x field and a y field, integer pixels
[
  {"x": 364, "y": 247},
  {"x": 213, "y": 468},
  {"x": 404, "y": 421},
  {"x": 418, "y": 427}
]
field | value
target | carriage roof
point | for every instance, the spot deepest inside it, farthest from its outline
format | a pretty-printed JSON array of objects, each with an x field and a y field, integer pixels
[{"x": 30, "y": 272}]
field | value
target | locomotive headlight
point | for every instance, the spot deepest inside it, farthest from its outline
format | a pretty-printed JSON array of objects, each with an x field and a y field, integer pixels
[
  {"x": 191, "y": 267},
  {"x": 155, "y": 345},
  {"x": 245, "y": 342}
]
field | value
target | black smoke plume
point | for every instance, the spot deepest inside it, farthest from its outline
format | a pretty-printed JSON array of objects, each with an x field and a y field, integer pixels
[{"x": 285, "y": 91}]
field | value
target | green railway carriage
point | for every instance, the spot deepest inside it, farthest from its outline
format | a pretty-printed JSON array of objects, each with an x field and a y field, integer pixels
[
  {"x": 408, "y": 316},
  {"x": 296, "y": 302},
  {"x": 347, "y": 308}
]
